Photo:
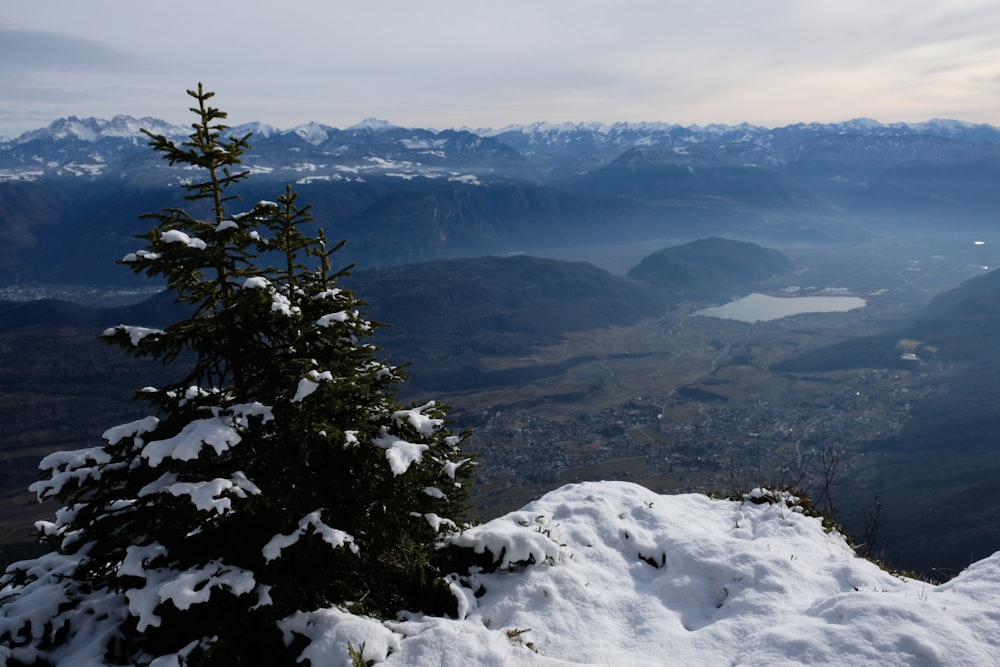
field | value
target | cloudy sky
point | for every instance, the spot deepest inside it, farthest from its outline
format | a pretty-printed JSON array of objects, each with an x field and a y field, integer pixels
[{"x": 469, "y": 63}]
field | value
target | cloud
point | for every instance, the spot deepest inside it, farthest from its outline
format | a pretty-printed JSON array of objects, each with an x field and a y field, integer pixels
[
  {"x": 36, "y": 50},
  {"x": 48, "y": 73},
  {"x": 445, "y": 63}
]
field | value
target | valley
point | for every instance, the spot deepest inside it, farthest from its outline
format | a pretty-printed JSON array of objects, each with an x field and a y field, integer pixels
[{"x": 683, "y": 403}]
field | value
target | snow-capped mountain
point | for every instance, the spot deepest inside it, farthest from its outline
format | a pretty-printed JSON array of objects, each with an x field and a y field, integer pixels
[
  {"x": 45, "y": 151},
  {"x": 96, "y": 129}
]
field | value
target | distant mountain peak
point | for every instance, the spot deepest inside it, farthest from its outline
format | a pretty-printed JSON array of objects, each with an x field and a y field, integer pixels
[
  {"x": 312, "y": 132},
  {"x": 257, "y": 128},
  {"x": 94, "y": 129},
  {"x": 373, "y": 125}
]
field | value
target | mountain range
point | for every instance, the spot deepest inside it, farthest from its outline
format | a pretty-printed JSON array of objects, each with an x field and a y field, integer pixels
[{"x": 71, "y": 193}]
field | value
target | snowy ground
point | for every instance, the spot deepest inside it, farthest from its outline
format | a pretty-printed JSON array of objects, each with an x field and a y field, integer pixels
[{"x": 629, "y": 577}]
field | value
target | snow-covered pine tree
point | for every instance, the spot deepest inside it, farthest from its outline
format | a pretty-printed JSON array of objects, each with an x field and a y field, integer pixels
[{"x": 278, "y": 478}]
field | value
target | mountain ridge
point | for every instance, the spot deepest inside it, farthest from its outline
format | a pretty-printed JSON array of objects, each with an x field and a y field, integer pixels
[{"x": 94, "y": 128}]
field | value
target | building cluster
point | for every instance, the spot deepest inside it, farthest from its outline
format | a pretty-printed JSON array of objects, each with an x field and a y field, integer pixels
[{"x": 726, "y": 444}]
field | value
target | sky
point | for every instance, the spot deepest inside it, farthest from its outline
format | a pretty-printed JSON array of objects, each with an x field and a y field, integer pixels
[{"x": 477, "y": 64}]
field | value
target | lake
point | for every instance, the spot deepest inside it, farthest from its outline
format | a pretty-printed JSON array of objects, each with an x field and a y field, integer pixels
[{"x": 763, "y": 308}]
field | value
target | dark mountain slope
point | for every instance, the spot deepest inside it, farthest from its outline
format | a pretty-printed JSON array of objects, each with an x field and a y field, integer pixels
[
  {"x": 711, "y": 267},
  {"x": 428, "y": 219},
  {"x": 964, "y": 322},
  {"x": 448, "y": 314},
  {"x": 960, "y": 325},
  {"x": 518, "y": 294},
  {"x": 937, "y": 476},
  {"x": 657, "y": 175}
]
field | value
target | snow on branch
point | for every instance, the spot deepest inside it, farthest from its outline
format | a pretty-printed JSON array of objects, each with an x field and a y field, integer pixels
[
  {"x": 220, "y": 432},
  {"x": 207, "y": 496},
  {"x": 177, "y": 236},
  {"x": 279, "y": 302},
  {"x": 451, "y": 467},
  {"x": 135, "y": 334},
  {"x": 331, "y": 318},
  {"x": 76, "y": 465},
  {"x": 140, "y": 255},
  {"x": 436, "y": 521},
  {"x": 49, "y": 601},
  {"x": 400, "y": 453},
  {"x": 308, "y": 385},
  {"x": 183, "y": 589},
  {"x": 334, "y": 537},
  {"x": 215, "y": 432},
  {"x": 332, "y": 293},
  {"x": 137, "y": 558},
  {"x": 256, "y": 282},
  {"x": 416, "y": 418},
  {"x": 134, "y": 429}
]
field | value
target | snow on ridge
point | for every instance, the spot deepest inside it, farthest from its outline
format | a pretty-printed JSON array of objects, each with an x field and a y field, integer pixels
[
  {"x": 128, "y": 128},
  {"x": 622, "y": 575},
  {"x": 94, "y": 129}
]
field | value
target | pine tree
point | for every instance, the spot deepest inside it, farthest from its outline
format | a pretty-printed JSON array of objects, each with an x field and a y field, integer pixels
[{"x": 278, "y": 476}]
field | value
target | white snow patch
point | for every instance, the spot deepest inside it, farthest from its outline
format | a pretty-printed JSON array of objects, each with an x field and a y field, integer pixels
[
  {"x": 332, "y": 293},
  {"x": 256, "y": 282},
  {"x": 451, "y": 467},
  {"x": 331, "y": 631},
  {"x": 69, "y": 466},
  {"x": 305, "y": 389},
  {"x": 135, "y": 334},
  {"x": 308, "y": 385},
  {"x": 329, "y": 319}
]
